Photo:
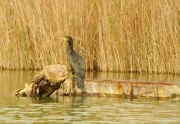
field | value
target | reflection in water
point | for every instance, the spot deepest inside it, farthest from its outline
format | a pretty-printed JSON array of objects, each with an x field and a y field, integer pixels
[
  {"x": 69, "y": 109},
  {"x": 40, "y": 100},
  {"x": 11, "y": 80},
  {"x": 88, "y": 110},
  {"x": 134, "y": 76}
]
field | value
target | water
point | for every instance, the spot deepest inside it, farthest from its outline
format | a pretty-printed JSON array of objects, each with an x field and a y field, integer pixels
[
  {"x": 88, "y": 110},
  {"x": 69, "y": 109}
]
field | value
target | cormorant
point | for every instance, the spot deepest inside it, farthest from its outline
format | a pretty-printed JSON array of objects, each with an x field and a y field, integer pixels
[{"x": 76, "y": 62}]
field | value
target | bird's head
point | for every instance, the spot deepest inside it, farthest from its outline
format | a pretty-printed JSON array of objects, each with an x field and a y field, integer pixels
[{"x": 69, "y": 40}]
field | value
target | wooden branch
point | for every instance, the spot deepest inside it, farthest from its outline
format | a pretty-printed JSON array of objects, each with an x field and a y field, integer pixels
[{"x": 45, "y": 82}]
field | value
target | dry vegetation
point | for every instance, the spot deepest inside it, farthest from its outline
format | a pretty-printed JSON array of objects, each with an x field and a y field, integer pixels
[{"x": 116, "y": 35}]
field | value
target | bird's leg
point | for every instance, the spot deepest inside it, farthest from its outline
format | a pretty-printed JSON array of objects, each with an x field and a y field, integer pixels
[
  {"x": 57, "y": 95},
  {"x": 73, "y": 75},
  {"x": 73, "y": 84}
]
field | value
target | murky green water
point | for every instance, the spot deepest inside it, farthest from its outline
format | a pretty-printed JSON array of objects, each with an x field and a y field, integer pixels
[{"x": 70, "y": 109}]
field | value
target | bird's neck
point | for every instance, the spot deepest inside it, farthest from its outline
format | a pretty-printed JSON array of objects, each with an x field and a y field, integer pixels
[{"x": 70, "y": 49}]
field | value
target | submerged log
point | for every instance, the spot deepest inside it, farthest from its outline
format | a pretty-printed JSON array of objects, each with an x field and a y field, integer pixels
[
  {"x": 123, "y": 88},
  {"x": 45, "y": 82}
]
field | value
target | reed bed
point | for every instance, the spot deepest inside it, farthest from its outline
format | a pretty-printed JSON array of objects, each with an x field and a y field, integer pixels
[{"x": 116, "y": 35}]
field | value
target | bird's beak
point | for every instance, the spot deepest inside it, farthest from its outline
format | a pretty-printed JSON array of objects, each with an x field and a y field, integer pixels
[{"x": 65, "y": 39}]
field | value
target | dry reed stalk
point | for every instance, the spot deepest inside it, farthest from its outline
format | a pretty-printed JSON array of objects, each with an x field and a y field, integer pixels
[{"x": 137, "y": 36}]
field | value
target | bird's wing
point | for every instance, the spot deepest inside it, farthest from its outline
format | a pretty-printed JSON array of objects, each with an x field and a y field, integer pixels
[{"x": 77, "y": 64}]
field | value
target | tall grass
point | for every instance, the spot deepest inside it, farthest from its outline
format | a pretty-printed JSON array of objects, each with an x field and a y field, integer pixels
[{"x": 116, "y": 35}]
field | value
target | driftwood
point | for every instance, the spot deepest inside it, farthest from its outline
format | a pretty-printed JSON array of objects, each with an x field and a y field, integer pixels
[{"x": 45, "y": 83}]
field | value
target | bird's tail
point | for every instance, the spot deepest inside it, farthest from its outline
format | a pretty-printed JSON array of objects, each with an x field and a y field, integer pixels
[{"x": 80, "y": 82}]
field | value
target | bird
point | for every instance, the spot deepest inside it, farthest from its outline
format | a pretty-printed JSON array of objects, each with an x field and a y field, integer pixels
[{"x": 76, "y": 62}]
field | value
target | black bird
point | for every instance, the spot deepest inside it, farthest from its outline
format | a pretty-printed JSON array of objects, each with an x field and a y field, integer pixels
[{"x": 76, "y": 62}]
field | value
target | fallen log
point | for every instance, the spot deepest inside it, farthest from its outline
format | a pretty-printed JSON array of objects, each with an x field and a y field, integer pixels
[
  {"x": 123, "y": 88},
  {"x": 54, "y": 76},
  {"x": 45, "y": 83}
]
